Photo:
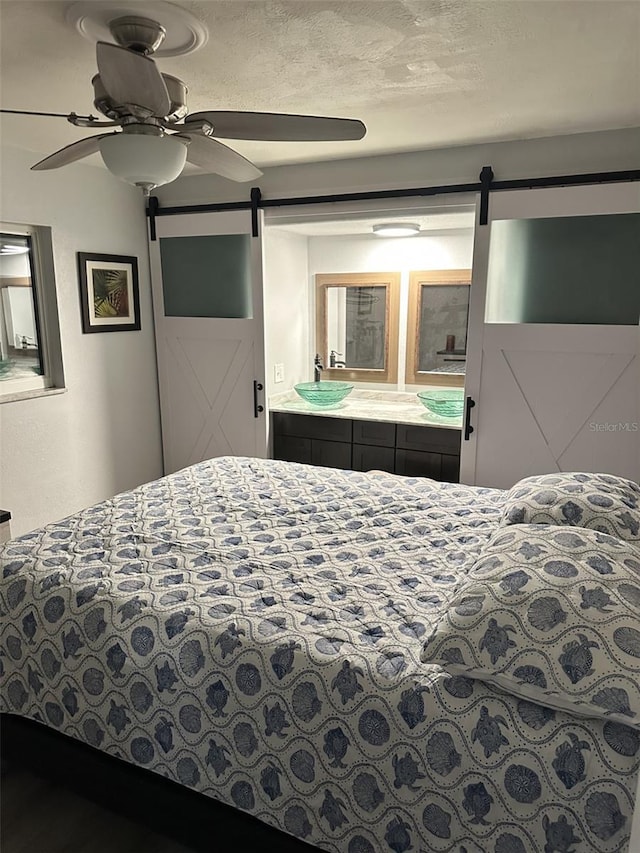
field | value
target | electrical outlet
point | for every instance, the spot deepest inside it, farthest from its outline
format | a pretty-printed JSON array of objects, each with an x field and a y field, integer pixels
[{"x": 278, "y": 372}]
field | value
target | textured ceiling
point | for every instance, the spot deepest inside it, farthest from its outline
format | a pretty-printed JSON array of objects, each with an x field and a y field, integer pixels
[{"x": 420, "y": 73}]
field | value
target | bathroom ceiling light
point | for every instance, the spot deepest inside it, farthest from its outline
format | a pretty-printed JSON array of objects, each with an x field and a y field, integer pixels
[
  {"x": 396, "y": 229},
  {"x": 13, "y": 248}
]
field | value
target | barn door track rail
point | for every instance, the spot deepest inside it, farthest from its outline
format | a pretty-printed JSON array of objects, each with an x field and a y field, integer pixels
[{"x": 485, "y": 185}]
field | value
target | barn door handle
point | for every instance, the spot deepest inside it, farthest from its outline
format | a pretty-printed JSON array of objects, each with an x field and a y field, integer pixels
[
  {"x": 468, "y": 429},
  {"x": 257, "y": 408}
]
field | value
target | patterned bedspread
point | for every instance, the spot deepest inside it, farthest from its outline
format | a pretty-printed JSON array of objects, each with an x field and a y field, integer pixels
[{"x": 253, "y": 630}]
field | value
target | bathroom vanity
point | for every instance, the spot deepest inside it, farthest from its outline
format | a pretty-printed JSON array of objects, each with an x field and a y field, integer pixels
[{"x": 370, "y": 430}]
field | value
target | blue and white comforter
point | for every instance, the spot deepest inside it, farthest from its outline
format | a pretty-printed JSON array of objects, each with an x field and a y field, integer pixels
[{"x": 253, "y": 630}]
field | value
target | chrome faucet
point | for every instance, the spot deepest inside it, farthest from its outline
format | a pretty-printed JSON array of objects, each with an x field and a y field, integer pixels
[
  {"x": 333, "y": 359},
  {"x": 317, "y": 368}
]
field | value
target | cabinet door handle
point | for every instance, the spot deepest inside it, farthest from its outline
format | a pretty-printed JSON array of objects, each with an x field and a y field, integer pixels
[
  {"x": 257, "y": 386},
  {"x": 468, "y": 429}
]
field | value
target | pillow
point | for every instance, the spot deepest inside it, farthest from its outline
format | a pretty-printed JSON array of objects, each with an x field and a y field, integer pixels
[
  {"x": 596, "y": 501},
  {"x": 551, "y": 615}
]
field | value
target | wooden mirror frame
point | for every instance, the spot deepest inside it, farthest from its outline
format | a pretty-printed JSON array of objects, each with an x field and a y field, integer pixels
[
  {"x": 416, "y": 280},
  {"x": 390, "y": 280}
]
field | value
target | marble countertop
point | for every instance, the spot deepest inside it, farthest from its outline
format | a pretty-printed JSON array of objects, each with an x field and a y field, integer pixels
[{"x": 392, "y": 406}]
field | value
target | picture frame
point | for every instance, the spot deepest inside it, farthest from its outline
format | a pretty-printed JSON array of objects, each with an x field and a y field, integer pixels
[{"x": 109, "y": 292}]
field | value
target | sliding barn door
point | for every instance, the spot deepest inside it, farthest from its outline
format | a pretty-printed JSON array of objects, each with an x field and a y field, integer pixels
[
  {"x": 207, "y": 284},
  {"x": 553, "y": 365}
]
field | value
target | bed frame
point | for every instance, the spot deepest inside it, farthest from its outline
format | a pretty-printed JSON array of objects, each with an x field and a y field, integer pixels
[{"x": 162, "y": 805}]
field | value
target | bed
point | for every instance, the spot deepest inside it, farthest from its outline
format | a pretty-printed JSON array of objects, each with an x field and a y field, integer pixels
[{"x": 262, "y": 632}]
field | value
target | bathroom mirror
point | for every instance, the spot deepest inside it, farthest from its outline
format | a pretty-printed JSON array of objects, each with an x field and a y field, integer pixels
[
  {"x": 357, "y": 325},
  {"x": 20, "y": 346},
  {"x": 437, "y": 327}
]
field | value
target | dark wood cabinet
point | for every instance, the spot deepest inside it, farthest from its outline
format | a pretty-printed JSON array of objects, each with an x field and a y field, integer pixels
[
  {"x": 418, "y": 463},
  {"x": 377, "y": 433},
  {"x": 450, "y": 472},
  {"x": 369, "y": 458},
  {"x": 292, "y": 448},
  {"x": 316, "y": 441},
  {"x": 331, "y": 454},
  {"x": 436, "y": 439},
  {"x": 407, "y": 449},
  {"x": 310, "y": 426}
]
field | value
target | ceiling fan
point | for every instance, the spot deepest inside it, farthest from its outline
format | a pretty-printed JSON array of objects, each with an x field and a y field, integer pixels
[{"x": 157, "y": 135}]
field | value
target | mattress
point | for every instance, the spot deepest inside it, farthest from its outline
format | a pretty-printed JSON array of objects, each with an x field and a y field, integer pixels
[{"x": 253, "y": 629}]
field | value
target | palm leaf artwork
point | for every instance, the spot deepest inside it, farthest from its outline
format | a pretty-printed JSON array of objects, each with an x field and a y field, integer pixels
[{"x": 110, "y": 293}]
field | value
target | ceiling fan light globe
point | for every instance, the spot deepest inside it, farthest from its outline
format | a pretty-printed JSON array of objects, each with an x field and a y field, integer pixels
[{"x": 144, "y": 160}]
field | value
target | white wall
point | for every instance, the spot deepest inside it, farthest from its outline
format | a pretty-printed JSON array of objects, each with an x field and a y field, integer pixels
[
  {"x": 62, "y": 452},
  {"x": 525, "y": 158},
  {"x": 288, "y": 329},
  {"x": 440, "y": 250}
]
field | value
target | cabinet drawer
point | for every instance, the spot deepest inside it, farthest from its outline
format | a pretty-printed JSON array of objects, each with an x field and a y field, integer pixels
[
  {"x": 308, "y": 426},
  {"x": 434, "y": 439},
  {"x": 374, "y": 432},
  {"x": 367, "y": 458},
  {"x": 291, "y": 448},
  {"x": 331, "y": 454},
  {"x": 416, "y": 463}
]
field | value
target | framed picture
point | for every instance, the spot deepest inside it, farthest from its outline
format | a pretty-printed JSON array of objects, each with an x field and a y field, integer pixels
[
  {"x": 109, "y": 293},
  {"x": 366, "y": 298}
]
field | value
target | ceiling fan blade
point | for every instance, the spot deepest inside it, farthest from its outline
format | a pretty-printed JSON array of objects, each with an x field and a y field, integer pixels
[
  {"x": 71, "y": 153},
  {"x": 131, "y": 78},
  {"x": 280, "y": 127},
  {"x": 215, "y": 157}
]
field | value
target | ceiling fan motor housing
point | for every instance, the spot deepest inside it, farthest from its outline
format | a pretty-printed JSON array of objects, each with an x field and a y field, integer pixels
[
  {"x": 140, "y": 34},
  {"x": 177, "y": 94}
]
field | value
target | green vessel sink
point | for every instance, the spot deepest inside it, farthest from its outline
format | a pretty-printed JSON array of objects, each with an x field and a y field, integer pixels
[
  {"x": 448, "y": 403},
  {"x": 323, "y": 393}
]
